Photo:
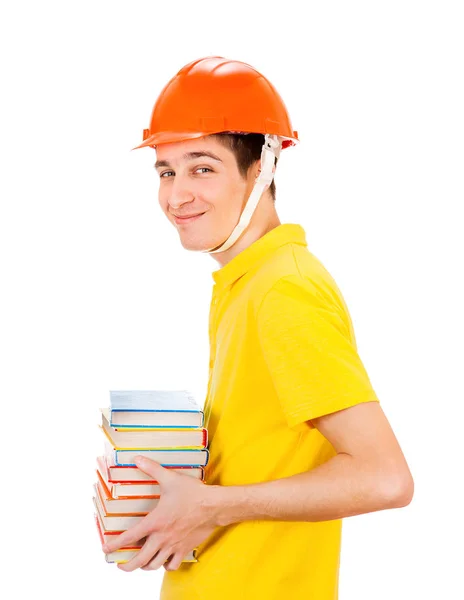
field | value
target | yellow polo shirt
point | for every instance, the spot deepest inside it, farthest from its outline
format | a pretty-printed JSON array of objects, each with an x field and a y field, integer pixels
[{"x": 283, "y": 352}]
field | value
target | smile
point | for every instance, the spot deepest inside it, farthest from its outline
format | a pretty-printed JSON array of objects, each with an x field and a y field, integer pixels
[{"x": 185, "y": 220}]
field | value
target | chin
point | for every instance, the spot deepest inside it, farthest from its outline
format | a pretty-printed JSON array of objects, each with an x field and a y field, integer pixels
[{"x": 195, "y": 245}]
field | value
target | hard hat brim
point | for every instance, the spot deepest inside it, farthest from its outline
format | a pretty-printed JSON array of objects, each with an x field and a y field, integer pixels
[{"x": 169, "y": 137}]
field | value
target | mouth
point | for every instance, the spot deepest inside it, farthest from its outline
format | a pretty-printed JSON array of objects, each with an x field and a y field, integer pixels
[{"x": 185, "y": 220}]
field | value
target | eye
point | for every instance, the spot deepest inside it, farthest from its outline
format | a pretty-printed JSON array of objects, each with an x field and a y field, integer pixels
[
  {"x": 165, "y": 173},
  {"x": 204, "y": 169}
]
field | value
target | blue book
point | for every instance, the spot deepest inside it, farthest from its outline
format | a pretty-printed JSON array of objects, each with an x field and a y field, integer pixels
[
  {"x": 168, "y": 457},
  {"x": 155, "y": 408}
]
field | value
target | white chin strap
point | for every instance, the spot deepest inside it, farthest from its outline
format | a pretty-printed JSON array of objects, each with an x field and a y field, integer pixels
[{"x": 271, "y": 150}]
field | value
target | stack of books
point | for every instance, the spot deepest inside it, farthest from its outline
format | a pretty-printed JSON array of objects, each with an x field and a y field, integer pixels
[{"x": 166, "y": 426}]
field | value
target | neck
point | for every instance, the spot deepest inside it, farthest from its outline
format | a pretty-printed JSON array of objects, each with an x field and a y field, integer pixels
[{"x": 264, "y": 219}]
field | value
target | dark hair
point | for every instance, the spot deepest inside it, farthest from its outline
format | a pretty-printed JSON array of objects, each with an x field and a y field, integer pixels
[{"x": 247, "y": 150}]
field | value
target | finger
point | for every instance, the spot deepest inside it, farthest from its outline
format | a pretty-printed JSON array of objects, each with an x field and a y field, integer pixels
[
  {"x": 153, "y": 468},
  {"x": 143, "y": 556},
  {"x": 175, "y": 562},
  {"x": 158, "y": 561},
  {"x": 128, "y": 537}
]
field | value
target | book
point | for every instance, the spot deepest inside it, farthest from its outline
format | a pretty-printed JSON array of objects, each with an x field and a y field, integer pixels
[
  {"x": 116, "y": 474},
  {"x": 125, "y": 489},
  {"x": 166, "y": 457},
  {"x": 127, "y": 553},
  {"x": 114, "y": 522},
  {"x": 144, "y": 408},
  {"x": 114, "y": 506},
  {"x": 153, "y": 438},
  {"x": 106, "y": 536},
  {"x": 124, "y": 555}
]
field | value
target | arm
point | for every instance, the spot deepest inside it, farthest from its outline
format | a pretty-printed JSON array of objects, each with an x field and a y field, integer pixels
[
  {"x": 306, "y": 342},
  {"x": 369, "y": 473}
]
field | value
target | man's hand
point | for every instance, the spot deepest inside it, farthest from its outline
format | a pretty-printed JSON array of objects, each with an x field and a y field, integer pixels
[{"x": 185, "y": 515}]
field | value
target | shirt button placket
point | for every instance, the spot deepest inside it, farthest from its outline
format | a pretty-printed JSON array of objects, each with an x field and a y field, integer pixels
[{"x": 213, "y": 330}]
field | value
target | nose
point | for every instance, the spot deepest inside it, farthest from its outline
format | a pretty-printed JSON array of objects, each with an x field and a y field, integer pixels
[{"x": 181, "y": 192}]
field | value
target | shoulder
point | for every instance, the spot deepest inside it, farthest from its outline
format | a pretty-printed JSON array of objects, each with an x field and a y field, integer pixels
[
  {"x": 296, "y": 273},
  {"x": 297, "y": 304},
  {"x": 298, "y": 292}
]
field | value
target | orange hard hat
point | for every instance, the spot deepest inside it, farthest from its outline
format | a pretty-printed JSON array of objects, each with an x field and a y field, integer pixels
[{"x": 214, "y": 95}]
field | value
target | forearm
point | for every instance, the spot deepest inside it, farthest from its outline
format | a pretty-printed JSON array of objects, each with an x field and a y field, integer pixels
[{"x": 339, "y": 488}]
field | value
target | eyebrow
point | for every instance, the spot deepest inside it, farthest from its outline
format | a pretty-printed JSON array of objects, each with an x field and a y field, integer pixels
[{"x": 189, "y": 156}]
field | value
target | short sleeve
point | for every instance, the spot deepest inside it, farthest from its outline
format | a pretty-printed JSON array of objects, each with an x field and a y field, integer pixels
[{"x": 310, "y": 353}]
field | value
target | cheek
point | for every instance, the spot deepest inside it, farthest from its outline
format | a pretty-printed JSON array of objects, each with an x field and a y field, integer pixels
[
  {"x": 208, "y": 189},
  {"x": 220, "y": 191},
  {"x": 163, "y": 201}
]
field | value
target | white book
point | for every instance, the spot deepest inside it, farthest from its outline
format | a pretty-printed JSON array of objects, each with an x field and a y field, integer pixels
[
  {"x": 150, "y": 437},
  {"x": 122, "y": 556},
  {"x": 160, "y": 408}
]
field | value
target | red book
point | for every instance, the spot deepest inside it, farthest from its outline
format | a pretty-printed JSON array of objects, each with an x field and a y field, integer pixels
[
  {"x": 125, "y": 482},
  {"x": 119, "y": 506}
]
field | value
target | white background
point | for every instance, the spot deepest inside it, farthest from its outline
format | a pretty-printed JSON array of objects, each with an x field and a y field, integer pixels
[{"x": 98, "y": 294}]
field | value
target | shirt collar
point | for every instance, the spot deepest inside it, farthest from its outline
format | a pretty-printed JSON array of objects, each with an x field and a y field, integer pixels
[{"x": 285, "y": 233}]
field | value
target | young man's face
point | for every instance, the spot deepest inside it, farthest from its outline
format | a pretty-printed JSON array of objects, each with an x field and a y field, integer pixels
[{"x": 208, "y": 185}]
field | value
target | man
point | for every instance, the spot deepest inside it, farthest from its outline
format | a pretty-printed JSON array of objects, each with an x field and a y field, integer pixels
[{"x": 297, "y": 437}]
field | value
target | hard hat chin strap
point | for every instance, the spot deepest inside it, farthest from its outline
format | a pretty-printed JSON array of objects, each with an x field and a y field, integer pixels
[{"x": 271, "y": 150}]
